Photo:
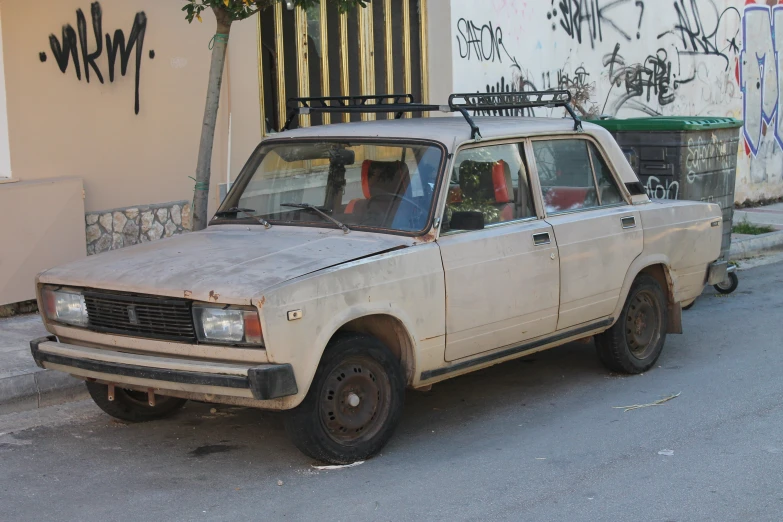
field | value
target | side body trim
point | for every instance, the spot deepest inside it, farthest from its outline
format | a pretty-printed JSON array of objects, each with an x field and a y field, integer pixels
[{"x": 429, "y": 374}]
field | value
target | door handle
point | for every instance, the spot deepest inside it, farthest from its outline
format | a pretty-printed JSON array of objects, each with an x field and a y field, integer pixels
[
  {"x": 541, "y": 239},
  {"x": 629, "y": 222}
]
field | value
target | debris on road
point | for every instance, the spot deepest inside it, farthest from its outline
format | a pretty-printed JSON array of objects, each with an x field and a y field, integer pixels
[
  {"x": 656, "y": 403},
  {"x": 279, "y": 482},
  {"x": 666, "y": 452},
  {"x": 351, "y": 465}
]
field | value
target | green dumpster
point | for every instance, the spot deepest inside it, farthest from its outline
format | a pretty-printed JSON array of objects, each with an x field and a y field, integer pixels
[{"x": 683, "y": 157}]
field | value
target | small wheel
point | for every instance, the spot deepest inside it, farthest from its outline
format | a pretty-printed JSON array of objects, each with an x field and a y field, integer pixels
[
  {"x": 729, "y": 284},
  {"x": 354, "y": 403},
  {"x": 689, "y": 306},
  {"x": 635, "y": 341},
  {"x": 133, "y": 406}
]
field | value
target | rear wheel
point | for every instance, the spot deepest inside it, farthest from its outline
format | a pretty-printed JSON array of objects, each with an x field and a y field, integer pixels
[
  {"x": 133, "y": 406},
  {"x": 636, "y": 340},
  {"x": 354, "y": 402}
]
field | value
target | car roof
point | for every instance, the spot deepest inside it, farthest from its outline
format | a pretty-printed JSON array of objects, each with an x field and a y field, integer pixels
[
  {"x": 442, "y": 129},
  {"x": 454, "y": 131}
]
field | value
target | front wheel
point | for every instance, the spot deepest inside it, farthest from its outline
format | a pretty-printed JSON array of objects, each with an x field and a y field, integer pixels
[
  {"x": 635, "y": 341},
  {"x": 354, "y": 402},
  {"x": 728, "y": 285}
]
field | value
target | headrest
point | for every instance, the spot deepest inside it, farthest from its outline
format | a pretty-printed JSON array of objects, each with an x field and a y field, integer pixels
[
  {"x": 486, "y": 180},
  {"x": 389, "y": 177}
]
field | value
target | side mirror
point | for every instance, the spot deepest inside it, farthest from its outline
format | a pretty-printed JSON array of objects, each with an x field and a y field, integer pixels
[{"x": 467, "y": 220}]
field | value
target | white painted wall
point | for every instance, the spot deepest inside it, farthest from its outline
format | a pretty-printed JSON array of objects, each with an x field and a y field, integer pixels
[
  {"x": 5, "y": 152},
  {"x": 636, "y": 58}
]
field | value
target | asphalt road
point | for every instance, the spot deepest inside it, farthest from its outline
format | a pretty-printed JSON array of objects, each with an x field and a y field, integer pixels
[{"x": 535, "y": 439}]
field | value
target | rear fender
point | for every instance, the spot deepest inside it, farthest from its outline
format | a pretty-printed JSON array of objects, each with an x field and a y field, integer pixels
[{"x": 658, "y": 267}]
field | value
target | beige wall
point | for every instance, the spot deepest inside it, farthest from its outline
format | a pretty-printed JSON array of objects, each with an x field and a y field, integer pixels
[
  {"x": 62, "y": 126},
  {"x": 439, "y": 44},
  {"x": 43, "y": 226}
]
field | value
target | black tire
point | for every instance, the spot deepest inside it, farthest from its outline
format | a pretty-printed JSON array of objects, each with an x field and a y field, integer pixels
[
  {"x": 327, "y": 425},
  {"x": 635, "y": 341},
  {"x": 728, "y": 286},
  {"x": 690, "y": 305},
  {"x": 132, "y": 406}
]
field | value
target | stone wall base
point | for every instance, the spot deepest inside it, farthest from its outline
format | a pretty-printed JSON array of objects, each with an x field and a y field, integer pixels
[
  {"x": 24, "y": 307},
  {"x": 117, "y": 228}
]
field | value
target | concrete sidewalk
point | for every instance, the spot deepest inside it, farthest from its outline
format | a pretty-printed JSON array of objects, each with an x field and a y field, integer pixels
[
  {"x": 771, "y": 215},
  {"x": 744, "y": 245},
  {"x": 24, "y": 386}
]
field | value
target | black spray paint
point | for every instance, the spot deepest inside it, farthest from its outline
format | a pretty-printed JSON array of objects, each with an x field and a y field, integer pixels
[{"x": 74, "y": 42}]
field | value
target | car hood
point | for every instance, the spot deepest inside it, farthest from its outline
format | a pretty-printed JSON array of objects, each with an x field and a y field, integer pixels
[{"x": 228, "y": 264}]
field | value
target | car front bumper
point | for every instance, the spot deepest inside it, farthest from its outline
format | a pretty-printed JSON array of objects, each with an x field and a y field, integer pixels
[{"x": 262, "y": 382}]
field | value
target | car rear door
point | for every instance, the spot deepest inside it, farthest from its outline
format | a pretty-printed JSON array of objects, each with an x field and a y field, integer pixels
[
  {"x": 501, "y": 281},
  {"x": 598, "y": 232}
]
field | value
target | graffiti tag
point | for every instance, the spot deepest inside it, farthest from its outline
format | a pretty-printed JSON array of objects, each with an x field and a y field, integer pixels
[
  {"x": 761, "y": 64},
  {"x": 584, "y": 20},
  {"x": 482, "y": 42},
  {"x": 76, "y": 42}
]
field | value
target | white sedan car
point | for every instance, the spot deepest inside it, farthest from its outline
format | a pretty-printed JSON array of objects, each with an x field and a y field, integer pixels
[{"x": 351, "y": 261}]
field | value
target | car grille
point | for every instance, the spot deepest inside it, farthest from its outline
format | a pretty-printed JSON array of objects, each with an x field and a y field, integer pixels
[{"x": 140, "y": 316}]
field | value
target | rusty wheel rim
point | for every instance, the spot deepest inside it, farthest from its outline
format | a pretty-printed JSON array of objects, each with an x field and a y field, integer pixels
[
  {"x": 643, "y": 324},
  {"x": 355, "y": 400}
]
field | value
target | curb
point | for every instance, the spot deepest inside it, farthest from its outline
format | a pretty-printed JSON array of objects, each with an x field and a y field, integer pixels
[
  {"x": 753, "y": 246},
  {"x": 38, "y": 389}
]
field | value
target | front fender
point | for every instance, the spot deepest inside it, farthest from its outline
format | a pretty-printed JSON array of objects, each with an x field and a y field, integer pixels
[{"x": 405, "y": 284}]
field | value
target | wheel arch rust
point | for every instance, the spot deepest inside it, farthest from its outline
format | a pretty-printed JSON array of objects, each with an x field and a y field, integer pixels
[
  {"x": 658, "y": 269},
  {"x": 392, "y": 332}
]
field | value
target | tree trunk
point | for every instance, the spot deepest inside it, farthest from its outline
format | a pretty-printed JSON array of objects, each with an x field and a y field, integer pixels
[{"x": 203, "y": 168}]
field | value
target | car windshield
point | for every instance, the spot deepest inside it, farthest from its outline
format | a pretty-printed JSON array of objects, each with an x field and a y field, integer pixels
[{"x": 357, "y": 184}]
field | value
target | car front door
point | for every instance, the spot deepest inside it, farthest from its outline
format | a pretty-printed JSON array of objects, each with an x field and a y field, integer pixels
[
  {"x": 501, "y": 280},
  {"x": 598, "y": 233}
]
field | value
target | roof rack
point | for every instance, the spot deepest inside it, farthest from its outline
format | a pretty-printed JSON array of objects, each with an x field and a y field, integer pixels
[
  {"x": 383, "y": 103},
  {"x": 492, "y": 104}
]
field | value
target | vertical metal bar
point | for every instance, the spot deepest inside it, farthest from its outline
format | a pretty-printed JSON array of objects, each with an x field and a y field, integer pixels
[
  {"x": 362, "y": 56},
  {"x": 366, "y": 58},
  {"x": 425, "y": 70},
  {"x": 261, "y": 104},
  {"x": 406, "y": 48},
  {"x": 325, "y": 117},
  {"x": 370, "y": 51},
  {"x": 344, "y": 85},
  {"x": 303, "y": 70},
  {"x": 387, "y": 37},
  {"x": 280, "y": 64}
]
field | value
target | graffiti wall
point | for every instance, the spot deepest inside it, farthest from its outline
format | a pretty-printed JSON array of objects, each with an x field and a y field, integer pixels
[{"x": 631, "y": 58}]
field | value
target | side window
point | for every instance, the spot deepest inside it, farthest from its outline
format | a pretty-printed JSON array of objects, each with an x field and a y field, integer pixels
[
  {"x": 607, "y": 187},
  {"x": 566, "y": 176},
  {"x": 492, "y": 181}
]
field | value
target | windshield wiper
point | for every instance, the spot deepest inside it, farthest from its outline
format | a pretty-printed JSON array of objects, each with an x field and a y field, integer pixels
[
  {"x": 319, "y": 211},
  {"x": 246, "y": 211}
]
